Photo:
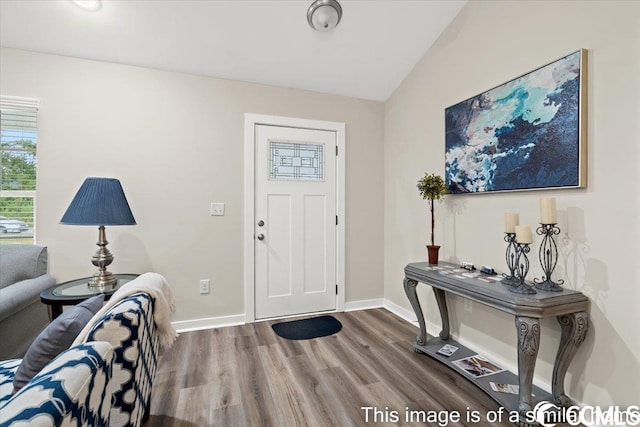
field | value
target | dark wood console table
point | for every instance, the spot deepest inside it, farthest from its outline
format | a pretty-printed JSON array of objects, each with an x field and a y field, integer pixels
[{"x": 569, "y": 307}]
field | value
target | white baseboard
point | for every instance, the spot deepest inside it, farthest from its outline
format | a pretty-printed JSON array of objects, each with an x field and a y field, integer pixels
[
  {"x": 410, "y": 317},
  {"x": 363, "y": 304},
  {"x": 401, "y": 312},
  {"x": 241, "y": 319},
  {"x": 209, "y": 323}
]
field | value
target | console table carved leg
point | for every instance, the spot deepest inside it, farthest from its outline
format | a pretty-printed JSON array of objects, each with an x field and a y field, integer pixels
[
  {"x": 444, "y": 312},
  {"x": 528, "y": 345},
  {"x": 574, "y": 329},
  {"x": 410, "y": 290}
]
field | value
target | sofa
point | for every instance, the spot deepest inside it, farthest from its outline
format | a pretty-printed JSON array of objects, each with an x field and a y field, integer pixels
[
  {"x": 130, "y": 330},
  {"x": 23, "y": 275}
]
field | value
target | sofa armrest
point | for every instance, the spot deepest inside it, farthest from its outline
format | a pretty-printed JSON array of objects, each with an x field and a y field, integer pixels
[
  {"x": 73, "y": 389},
  {"x": 129, "y": 327},
  {"x": 21, "y": 262},
  {"x": 16, "y": 297}
]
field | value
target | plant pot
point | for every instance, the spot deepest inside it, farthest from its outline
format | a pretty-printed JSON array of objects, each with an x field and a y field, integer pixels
[{"x": 432, "y": 251}]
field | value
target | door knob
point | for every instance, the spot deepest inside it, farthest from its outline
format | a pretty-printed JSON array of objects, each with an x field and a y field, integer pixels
[
  {"x": 260, "y": 236},
  {"x": 260, "y": 223}
]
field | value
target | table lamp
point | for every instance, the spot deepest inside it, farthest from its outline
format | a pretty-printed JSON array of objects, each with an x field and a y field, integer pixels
[{"x": 100, "y": 201}]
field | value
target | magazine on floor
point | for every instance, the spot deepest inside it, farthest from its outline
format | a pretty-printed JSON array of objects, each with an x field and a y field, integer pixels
[
  {"x": 447, "y": 350},
  {"x": 478, "y": 366},
  {"x": 504, "y": 388}
]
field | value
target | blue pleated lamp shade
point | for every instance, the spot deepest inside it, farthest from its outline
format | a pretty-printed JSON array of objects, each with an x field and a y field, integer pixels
[{"x": 99, "y": 201}]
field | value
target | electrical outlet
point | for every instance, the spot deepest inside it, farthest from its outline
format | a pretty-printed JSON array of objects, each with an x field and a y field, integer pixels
[
  {"x": 468, "y": 305},
  {"x": 204, "y": 286},
  {"x": 217, "y": 209}
]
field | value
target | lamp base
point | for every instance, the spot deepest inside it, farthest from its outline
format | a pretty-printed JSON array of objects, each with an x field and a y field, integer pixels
[{"x": 102, "y": 281}]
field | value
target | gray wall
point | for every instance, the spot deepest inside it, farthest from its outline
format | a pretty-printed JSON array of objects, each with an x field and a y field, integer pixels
[{"x": 176, "y": 142}]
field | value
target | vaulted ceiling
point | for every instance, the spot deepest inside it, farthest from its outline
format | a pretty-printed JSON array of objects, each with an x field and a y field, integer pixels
[{"x": 372, "y": 50}]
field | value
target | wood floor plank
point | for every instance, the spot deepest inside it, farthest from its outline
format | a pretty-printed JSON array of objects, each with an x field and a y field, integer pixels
[
  {"x": 349, "y": 397},
  {"x": 189, "y": 408},
  {"x": 286, "y": 393},
  {"x": 263, "y": 333},
  {"x": 385, "y": 367},
  {"x": 320, "y": 398},
  {"x": 258, "y": 404},
  {"x": 246, "y": 376},
  {"x": 321, "y": 355},
  {"x": 227, "y": 416},
  {"x": 351, "y": 361}
]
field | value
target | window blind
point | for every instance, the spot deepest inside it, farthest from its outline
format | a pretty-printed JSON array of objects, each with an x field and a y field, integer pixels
[{"x": 18, "y": 160}]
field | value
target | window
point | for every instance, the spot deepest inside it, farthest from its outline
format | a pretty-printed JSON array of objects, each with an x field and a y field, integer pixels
[
  {"x": 18, "y": 141},
  {"x": 295, "y": 161}
]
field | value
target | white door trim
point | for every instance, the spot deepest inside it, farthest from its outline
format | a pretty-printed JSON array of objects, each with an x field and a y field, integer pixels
[{"x": 250, "y": 122}]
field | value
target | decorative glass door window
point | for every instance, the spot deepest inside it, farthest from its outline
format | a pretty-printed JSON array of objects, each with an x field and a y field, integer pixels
[{"x": 296, "y": 161}]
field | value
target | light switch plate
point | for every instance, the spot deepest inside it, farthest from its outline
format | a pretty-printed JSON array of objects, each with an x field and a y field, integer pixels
[
  {"x": 217, "y": 209},
  {"x": 204, "y": 286}
]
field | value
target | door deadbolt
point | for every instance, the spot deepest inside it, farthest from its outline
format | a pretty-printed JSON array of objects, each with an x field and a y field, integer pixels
[
  {"x": 260, "y": 223},
  {"x": 260, "y": 236}
]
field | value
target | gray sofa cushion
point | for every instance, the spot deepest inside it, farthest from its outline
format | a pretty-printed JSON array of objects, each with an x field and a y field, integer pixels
[
  {"x": 21, "y": 262},
  {"x": 56, "y": 338}
]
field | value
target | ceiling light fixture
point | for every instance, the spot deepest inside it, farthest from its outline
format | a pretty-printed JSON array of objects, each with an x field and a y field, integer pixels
[
  {"x": 324, "y": 15},
  {"x": 89, "y": 5}
]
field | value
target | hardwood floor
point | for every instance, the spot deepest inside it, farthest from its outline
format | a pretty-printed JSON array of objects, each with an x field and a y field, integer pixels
[{"x": 248, "y": 376}]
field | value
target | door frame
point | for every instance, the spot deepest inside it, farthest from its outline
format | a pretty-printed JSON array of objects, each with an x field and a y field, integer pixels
[{"x": 250, "y": 122}]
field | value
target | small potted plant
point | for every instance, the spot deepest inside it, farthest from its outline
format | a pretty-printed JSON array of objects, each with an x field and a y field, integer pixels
[{"x": 432, "y": 187}]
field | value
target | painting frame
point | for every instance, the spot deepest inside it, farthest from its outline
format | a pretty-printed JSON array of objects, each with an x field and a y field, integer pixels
[{"x": 529, "y": 133}]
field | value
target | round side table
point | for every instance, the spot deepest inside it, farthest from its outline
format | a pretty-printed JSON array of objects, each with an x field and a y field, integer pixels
[{"x": 75, "y": 291}]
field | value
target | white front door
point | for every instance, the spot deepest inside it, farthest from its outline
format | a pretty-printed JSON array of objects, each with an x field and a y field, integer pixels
[{"x": 295, "y": 221}]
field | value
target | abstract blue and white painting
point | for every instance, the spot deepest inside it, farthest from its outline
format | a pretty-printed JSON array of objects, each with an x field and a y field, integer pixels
[{"x": 524, "y": 134}]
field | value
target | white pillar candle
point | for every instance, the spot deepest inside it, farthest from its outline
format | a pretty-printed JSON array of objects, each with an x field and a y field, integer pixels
[
  {"x": 548, "y": 212},
  {"x": 523, "y": 234},
  {"x": 510, "y": 221}
]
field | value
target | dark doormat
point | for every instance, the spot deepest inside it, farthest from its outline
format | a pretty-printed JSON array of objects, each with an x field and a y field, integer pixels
[{"x": 307, "y": 329}]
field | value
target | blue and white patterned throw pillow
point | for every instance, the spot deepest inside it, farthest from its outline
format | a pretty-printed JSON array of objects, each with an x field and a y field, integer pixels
[{"x": 72, "y": 390}]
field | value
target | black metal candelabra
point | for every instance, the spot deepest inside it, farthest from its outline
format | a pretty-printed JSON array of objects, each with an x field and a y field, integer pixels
[
  {"x": 522, "y": 268},
  {"x": 548, "y": 255},
  {"x": 510, "y": 256}
]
